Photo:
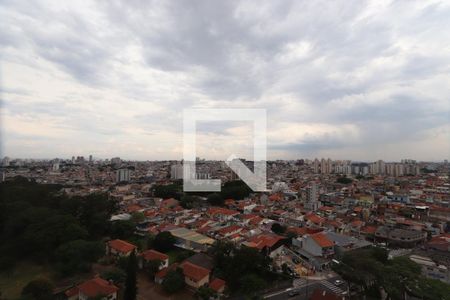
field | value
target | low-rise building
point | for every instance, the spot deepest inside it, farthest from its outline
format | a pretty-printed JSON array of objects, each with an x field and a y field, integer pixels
[
  {"x": 97, "y": 288},
  {"x": 119, "y": 248}
]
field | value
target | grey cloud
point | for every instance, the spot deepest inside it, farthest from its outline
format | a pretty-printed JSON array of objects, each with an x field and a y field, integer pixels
[{"x": 231, "y": 53}]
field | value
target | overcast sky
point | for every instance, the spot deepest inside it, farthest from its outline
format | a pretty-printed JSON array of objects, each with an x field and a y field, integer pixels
[{"x": 340, "y": 79}]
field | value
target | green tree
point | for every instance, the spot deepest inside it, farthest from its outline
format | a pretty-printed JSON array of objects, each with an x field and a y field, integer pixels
[
  {"x": 116, "y": 275},
  {"x": 174, "y": 281},
  {"x": 215, "y": 199},
  {"x": 153, "y": 266},
  {"x": 122, "y": 229},
  {"x": 189, "y": 201},
  {"x": 168, "y": 191},
  {"x": 205, "y": 293},
  {"x": 77, "y": 256},
  {"x": 251, "y": 283},
  {"x": 137, "y": 217},
  {"x": 232, "y": 262},
  {"x": 236, "y": 189},
  {"x": 39, "y": 289},
  {"x": 344, "y": 180},
  {"x": 130, "y": 292},
  {"x": 278, "y": 228},
  {"x": 164, "y": 241}
]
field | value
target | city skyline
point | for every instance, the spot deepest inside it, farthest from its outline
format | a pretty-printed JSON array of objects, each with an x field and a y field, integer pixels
[{"x": 366, "y": 81}]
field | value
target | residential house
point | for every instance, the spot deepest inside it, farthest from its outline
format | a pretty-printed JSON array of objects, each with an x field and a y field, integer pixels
[
  {"x": 95, "y": 288},
  {"x": 194, "y": 276},
  {"x": 151, "y": 255},
  {"x": 218, "y": 285},
  {"x": 318, "y": 244},
  {"x": 119, "y": 248}
]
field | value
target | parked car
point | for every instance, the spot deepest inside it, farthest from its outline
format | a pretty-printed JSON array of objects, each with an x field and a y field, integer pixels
[
  {"x": 294, "y": 292},
  {"x": 338, "y": 282}
]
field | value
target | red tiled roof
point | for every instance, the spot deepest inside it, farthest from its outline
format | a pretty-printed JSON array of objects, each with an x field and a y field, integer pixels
[
  {"x": 229, "y": 201},
  {"x": 357, "y": 223},
  {"x": 256, "y": 220},
  {"x": 315, "y": 219},
  {"x": 279, "y": 212},
  {"x": 96, "y": 287},
  {"x": 229, "y": 229},
  {"x": 326, "y": 208},
  {"x": 275, "y": 197},
  {"x": 121, "y": 246},
  {"x": 322, "y": 240},
  {"x": 333, "y": 223},
  {"x": 222, "y": 211},
  {"x": 357, "y": 209},
  {"x": 217, "y": 284},
  {"x": 369, "y": 229},
  {"x": 193, "y": 271},
  {"x": 298, "y": 230},
  {"x": 264, "y": 240},
  {"x": 204, "y": 229},
  {"x": 133, "y": 208},
  {"x": 248, "y": 216},
  {"x": 163, "y": 272},
  {"x": 154, "y": 255},
  {"x": 72, "y": 292}
]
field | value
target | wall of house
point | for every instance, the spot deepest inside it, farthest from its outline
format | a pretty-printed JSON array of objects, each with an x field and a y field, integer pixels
[
  {"x": 196, "y": 284},
  {"x": 311, "y": 246}
]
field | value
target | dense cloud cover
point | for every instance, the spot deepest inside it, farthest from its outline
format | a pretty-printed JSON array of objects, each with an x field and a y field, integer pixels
[{"x": 340, "y": 79}]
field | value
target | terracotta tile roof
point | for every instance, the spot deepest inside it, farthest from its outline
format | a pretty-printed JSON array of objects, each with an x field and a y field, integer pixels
[
  {"x": 204, "y": 229},
  {"x": 72, "y": 292},
  {"x": 369, "y": 229},
  {"x": 322, "y": 240},
  {"x": 357, "y": 223},
  {"x": 150, "y": 213},
  {"x": 333, "y": 223},
  {"x": 275, "y": 197},
  {"x": 96, "y": 287},
  {"x": 229, "y": 229},
  {"x": 258, "y": 208},
  {"x": 248, "y": 216},
  {"x": 163, "y": 272},
  {"x": 357, "y": 209},
  {"x": 315, "y": 219},
  {"x": 134, "y": 208},
  {"x": 279, "y": 212},
  {"x": 193, "y": 271},
  {"x": 222, "y": 211},
  {"x": 326, "y": 208},
  {"x": 256, "y": 220},
  {"x": 170, "y": 202},
  {"x": 121, "y": 246},
  {"x": 154, "y": 255},
  {"x": 298, "y": 230},
  {"x": 264, "y": 240},
  {"x": 217, "y": 284},
  {"x": 229, "y": 201}
]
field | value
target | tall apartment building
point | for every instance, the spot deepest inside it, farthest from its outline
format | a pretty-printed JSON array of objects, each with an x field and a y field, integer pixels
[
  {"x": 123, "y": 175},
  {"x": 312, "y": 198},
  {"x": 116, "y": 161},
  {"x": 176, "y": 172}
]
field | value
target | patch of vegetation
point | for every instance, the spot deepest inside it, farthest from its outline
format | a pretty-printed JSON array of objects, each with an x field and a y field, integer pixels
[
  {"x": 49, "y": 228},
  {"x": 344, "y": 180},
  {"x": 370, "y": 269},
  {"x": 174, "y": 281},
  {"x": 245, "y": 270}
]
